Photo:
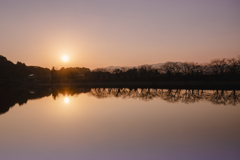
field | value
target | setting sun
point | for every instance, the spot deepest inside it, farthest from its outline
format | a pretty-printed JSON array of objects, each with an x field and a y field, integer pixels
[
  {"x": 65, "y": 58},
  {"x": 66, "y": 100}
]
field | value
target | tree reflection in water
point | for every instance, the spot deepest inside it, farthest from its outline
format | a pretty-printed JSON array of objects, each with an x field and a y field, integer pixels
[
  {"x": 10, "y": 97},
  {"x": 171, "y": 95}
]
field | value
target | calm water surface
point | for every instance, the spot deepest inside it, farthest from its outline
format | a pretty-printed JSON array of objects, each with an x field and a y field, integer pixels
[{"x": 110, "y": 125}]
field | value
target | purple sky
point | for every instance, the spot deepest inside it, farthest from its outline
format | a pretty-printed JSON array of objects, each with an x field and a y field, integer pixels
[{"x": 96, "y": 33}]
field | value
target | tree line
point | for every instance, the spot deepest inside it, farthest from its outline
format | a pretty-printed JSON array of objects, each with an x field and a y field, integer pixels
[
  {"x": 225, "y": 69},
  {"x": 11, "y": 71},
  {"x": 217, "y": 69},
  {"x": 21, "y": 72}
]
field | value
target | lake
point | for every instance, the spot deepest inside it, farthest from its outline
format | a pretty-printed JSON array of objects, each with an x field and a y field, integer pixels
[{"x": 119, "y": 124}]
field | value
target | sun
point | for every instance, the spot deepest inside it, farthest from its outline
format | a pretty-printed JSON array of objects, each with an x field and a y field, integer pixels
[
  {"x": 65, "y": 58},
  {"x": 66, "y": 100}
]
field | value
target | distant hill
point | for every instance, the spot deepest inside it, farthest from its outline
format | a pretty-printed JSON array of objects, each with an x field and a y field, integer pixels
[
  {"x": 156, "y": 65},
  {"x": 110, "y": 68}
]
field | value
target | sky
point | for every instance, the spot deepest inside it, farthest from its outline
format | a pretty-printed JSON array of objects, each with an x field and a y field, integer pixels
[{"x": 101, "y": 33}]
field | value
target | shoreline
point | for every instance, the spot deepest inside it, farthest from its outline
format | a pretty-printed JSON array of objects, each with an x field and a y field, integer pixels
[
  {"x": 225, "y": 85},
  {"x": 219, "y": 85}
]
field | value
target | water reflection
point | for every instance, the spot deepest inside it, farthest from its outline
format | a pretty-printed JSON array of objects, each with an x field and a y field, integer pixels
[
  {"x": 224, "y": 97},
  {"x": 10, "y": 97}
]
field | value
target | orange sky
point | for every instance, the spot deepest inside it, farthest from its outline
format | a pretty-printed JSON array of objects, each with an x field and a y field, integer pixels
[{"x": 99, "y": 34}]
